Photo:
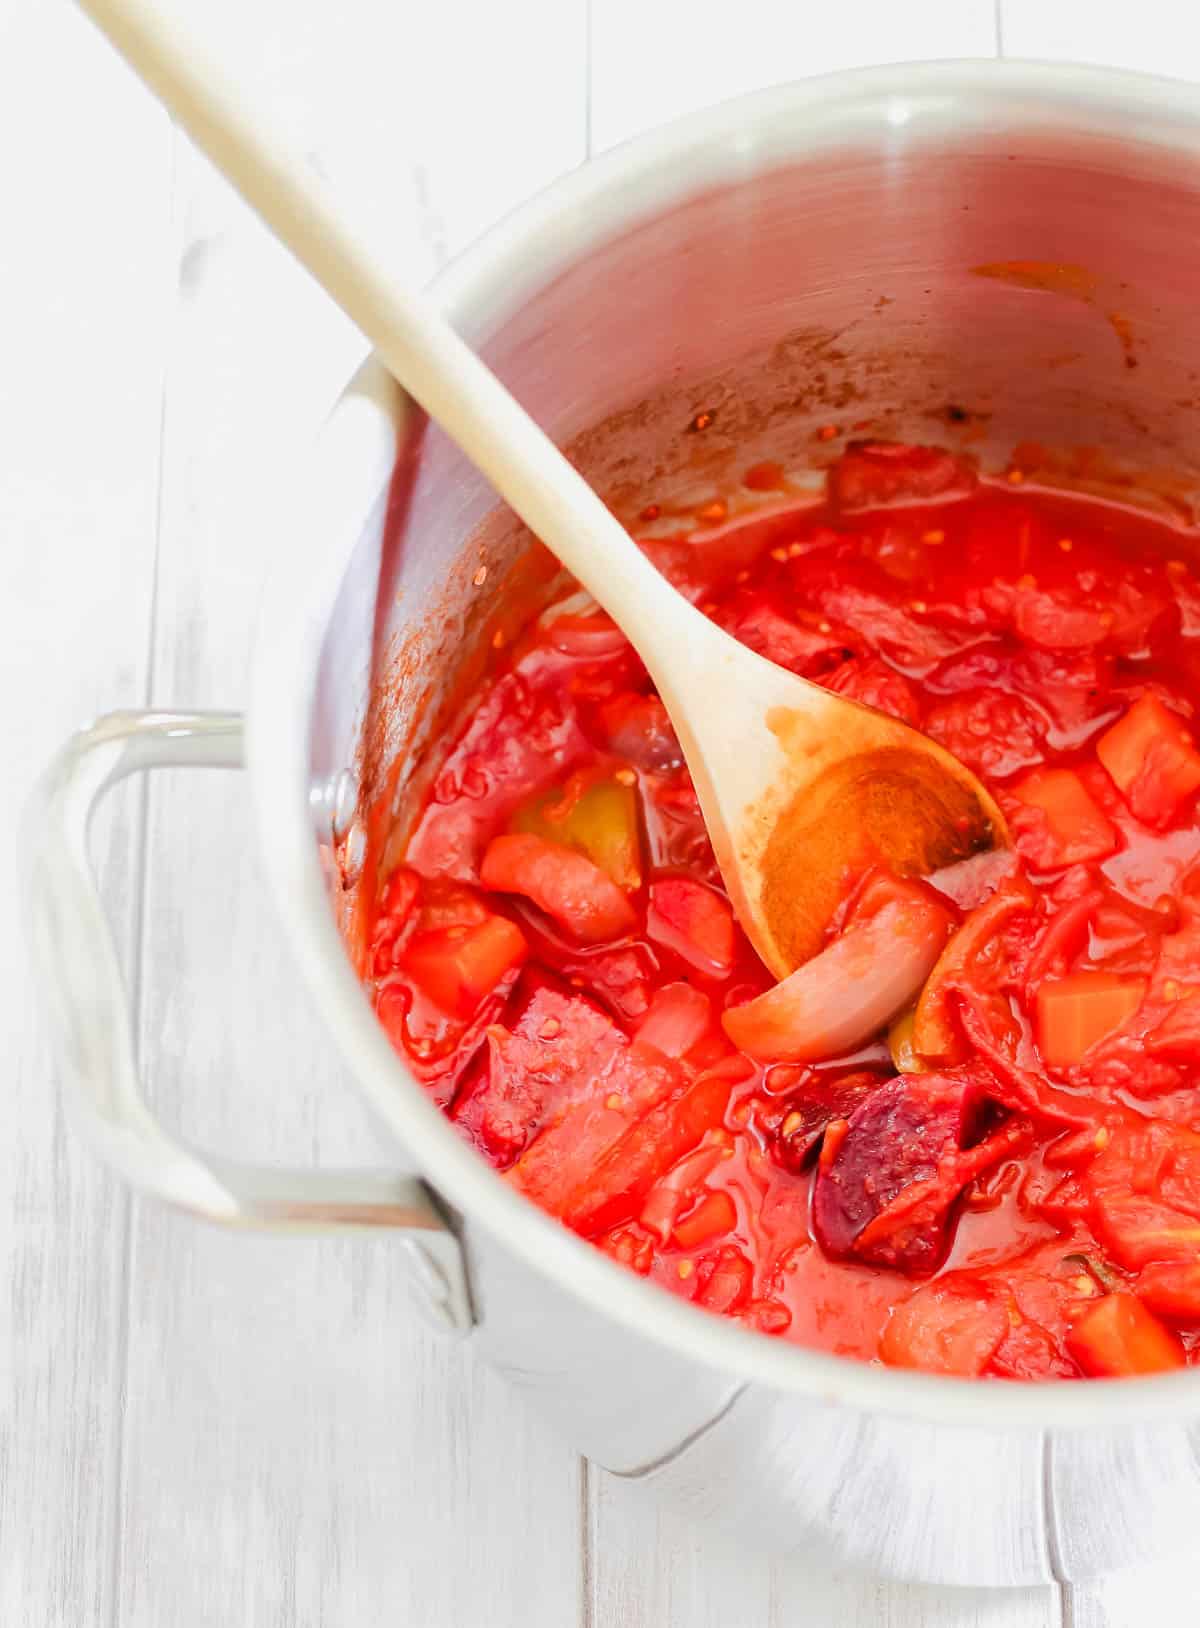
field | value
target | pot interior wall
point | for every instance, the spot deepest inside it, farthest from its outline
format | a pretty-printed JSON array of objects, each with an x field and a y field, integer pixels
[{"x": 1002, "y": 288}]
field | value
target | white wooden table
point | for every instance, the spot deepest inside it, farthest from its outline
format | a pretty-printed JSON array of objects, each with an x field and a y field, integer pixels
[{"x": 202, "y": 1429}]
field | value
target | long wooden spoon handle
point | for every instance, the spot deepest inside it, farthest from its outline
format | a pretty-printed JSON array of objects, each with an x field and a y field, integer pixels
[{"x": 414, "y": 340}]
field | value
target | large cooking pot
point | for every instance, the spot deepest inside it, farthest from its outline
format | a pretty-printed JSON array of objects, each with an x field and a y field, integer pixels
[{"x": 802, "y": 255}]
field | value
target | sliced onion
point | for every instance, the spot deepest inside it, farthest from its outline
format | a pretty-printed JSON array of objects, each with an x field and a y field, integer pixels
[
  {"x": 579, "y": 603},
  {"x": 968, "y": 882},
  {"x": 849, "y": 991},
  {"x": 587, "y": 637}
]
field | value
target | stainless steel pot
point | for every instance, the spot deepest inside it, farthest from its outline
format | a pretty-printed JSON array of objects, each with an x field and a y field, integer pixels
[{"x": 803, "y": 255}]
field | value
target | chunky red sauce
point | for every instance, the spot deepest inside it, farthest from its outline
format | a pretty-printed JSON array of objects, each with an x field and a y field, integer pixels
[{"x": 1005, "y": 1181}]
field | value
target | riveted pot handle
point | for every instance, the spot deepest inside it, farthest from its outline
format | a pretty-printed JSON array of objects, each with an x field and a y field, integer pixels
[{"x": 75, "y": 965}]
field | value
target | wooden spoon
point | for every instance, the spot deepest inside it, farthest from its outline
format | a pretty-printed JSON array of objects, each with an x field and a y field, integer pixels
[{"x": 799, "y": 787}]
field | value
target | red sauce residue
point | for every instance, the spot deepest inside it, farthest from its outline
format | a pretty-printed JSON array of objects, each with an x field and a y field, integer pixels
[
  {"x": 555, "y": 953},
  {"x": 1057, "y": 277}
]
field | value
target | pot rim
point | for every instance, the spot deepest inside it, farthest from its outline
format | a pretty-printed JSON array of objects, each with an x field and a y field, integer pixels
[{"x": 355, "y": 455}]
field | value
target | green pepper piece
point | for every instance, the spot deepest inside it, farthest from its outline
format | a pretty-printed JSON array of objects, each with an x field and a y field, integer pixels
[{"x": 598, "y": 818}]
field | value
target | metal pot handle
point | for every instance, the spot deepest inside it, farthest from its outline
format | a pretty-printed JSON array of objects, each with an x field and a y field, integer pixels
[{"x": 75, "y": 966}]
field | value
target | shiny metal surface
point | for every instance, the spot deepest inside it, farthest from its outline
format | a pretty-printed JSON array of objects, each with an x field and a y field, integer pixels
[
  {"x": 803, "y": 256},
  {"x": 92, "y": 1024},
  {"x": 797, "y": 257}
]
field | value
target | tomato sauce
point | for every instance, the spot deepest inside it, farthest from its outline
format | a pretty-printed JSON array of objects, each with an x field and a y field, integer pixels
[{"x": 1002, "y": 1179}]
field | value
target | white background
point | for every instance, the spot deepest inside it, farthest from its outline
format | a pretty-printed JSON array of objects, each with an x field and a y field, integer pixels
[{"x": 197, "y": 1428}]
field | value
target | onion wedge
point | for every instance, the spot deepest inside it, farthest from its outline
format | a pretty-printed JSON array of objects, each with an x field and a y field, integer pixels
[{"x": 849, "y": 991}]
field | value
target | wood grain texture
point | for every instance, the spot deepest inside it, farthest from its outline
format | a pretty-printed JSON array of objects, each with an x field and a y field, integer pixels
[{"x": 82, "y": 318}]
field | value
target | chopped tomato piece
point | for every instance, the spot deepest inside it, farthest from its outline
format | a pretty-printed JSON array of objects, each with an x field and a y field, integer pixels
[
  {"x": 678, "y": 1019},
  {"x": 875, "y": 684},
  {"x": 945, "y": 1330},
  {"x": 669, "y": 1197},
  {"x": 1151, "y": 757},
  {"x": 1178, "y": 1034},
  {"x": 1075, "y": 1012},
  {"x": 935, "y": 1032},
  {"x": 569, "y": 887},
  {"x": 596, "y": 817},
  {"x": 850, "y": 990},
  {"x": 458, "y": 967},
  {"x": 875, "y": 472},
  {"x": 715, "y": 1213},
  {"x": 807, "y": 643},
  {"x": 616, "y": 1188},
  {"x": 1172, "y": 1290},
  {"x": 564, "y": 1154},
  {"x": 395, "y": 910},
  {"x": 561, "y": 1050},
  {"x": 694, "y": 921},
  {"x": 1065, "y": 933},
  {"x": 990, "y": 731},
  {"x": 1137, "y": 1230},
  {"x": 1056, "y": 823},
  {"x": 1117, "y": 1337}
]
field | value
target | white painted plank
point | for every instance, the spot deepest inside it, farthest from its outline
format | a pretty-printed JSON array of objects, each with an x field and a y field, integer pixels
[
  {"x": 651, "y": 63},
  {"x": 1155, "y": 36},
  {"x": 297, "y": 1449},
  {"x": 83, "y": 302},
  {"x": 1167, "y": 1595},
  {"x": 650, "y": 1569}
]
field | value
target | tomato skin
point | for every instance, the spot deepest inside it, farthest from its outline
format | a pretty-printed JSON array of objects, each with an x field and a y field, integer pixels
[
  {"x": 1118, "y": 1338},
  {"x": 936, "y": 1034},
  {"x": 569, "y": 887},
  {"x": 1150, "y": 756}
]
